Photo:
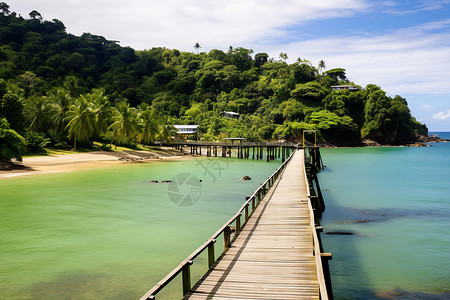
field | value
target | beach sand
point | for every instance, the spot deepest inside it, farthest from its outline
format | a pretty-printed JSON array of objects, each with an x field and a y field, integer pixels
[{"x": 72, "y": 162}]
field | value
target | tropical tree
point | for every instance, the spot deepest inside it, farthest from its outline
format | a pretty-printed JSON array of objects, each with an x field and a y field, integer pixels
[
  {"x": 60, "y": 100},
  {"x": 38, "y": 114},
  {"x": 35, "y": 15},
  {"x": 321, "y": 67},
  {"x": 12, "y": 144},
  {"x": 102, "y": 110},
  {"x": 166, "y": 131},
  {"x": 125, "y": 124},
  {"x": 149, "y": 127},
  {"x": 4, "y": 8},
  {"x": 283, "y": 56},
  {"x": 197, "y": 47},
  {"x": 81, "y": 120}
]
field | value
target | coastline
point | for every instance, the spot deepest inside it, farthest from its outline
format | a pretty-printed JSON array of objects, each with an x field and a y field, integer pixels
[{"x": 72, "y": 162}]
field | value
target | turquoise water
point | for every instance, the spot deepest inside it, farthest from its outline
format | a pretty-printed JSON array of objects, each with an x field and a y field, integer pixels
[
  {"x": 110, "y": 233},
  {"x": 396, "y": 204}
]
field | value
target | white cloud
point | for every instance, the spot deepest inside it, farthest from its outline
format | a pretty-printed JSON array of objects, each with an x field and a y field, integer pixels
[
  {"x": 407, "y": 61},
  {"x": 143, "y": 24},
  {"x": 443, "y": 115}
]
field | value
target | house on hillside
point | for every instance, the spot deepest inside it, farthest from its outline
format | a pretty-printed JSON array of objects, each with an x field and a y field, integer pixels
[
  {"x": 344, "y": 87},
  {"x": 186, "y": 131},
  {"x": 231, "y": 114}
]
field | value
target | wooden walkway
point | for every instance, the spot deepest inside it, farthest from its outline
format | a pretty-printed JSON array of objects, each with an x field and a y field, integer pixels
[{"x": 272, "y": 258}]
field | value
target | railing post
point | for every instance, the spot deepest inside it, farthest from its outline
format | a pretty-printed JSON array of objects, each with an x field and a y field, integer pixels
[
  {"x": 226, "y": 237},
  {"x": 211, "y": 258},
  {"x": 186, "y": 274},
  {"x": 246, "y": 213},
  {"x": 326, "y": 257},
  {"x": 238, "y": 224}
]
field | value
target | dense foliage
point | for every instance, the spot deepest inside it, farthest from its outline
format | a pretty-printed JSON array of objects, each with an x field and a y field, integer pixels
[{"x": 57, "y": 88}]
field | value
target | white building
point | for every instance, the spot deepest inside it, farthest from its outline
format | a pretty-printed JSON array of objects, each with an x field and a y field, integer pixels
[
  {"x": 344, "y": 87},
  {"x": 184, "y": 131},
  {"x": 231, "y": 114}
]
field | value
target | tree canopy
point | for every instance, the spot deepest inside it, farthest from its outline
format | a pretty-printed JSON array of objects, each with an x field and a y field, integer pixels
[{"x": 76, "y": 89}]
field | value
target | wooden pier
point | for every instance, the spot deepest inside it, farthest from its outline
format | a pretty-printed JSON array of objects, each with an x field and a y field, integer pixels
[
  {"x": 253, "y": 150},
  {"x": 272, "y": 247}
]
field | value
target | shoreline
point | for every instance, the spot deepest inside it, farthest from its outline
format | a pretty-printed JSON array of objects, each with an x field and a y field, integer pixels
[{"x": 78, "y": 161}]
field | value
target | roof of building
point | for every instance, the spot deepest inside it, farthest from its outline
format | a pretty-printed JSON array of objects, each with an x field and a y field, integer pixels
[
  {"x": 231, "y": 113},
  {"x": 186, "y": 126},
  {"x": 339, "y": 87},
  {"x": 186, "y": 129}
]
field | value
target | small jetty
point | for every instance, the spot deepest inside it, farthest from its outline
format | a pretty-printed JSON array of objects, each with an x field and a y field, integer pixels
[
  {"x": 241, "y": 149},
  {"x": 271, "y": 247}
]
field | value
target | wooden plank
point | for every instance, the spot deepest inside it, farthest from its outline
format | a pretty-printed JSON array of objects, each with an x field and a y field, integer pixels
[{"x": 272, "y": 257}]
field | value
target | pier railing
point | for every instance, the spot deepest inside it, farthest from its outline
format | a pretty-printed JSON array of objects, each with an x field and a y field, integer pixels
[
  {"x": 229, "y": 231},
  {"x": 234, "y": 144},
  {"x": 313, "y": 163}
]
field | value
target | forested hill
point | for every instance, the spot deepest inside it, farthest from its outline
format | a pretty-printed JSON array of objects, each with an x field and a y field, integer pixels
[{"x": 49, "y": 78}]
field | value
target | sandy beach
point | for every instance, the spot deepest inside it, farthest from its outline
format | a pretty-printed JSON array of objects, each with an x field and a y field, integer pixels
[{"x": 72, "y": 162}]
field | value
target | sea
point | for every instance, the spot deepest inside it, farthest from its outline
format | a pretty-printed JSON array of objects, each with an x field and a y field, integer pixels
[
  {"x": 387, "y": 221},
  {"x": 114, "y": 232}
]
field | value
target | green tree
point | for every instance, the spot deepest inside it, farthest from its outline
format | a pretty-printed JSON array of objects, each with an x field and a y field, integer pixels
[
  {"x": 125, "y": 124},
  {"x": 4, "y": 8},
  {"x": 260, "y": 59},
  {"x": 283, "y": 56},
  {"x": 35, "y": 15},
  {"x": 166, "y": 132},
  {"x": 61, "y": 100},
  {"x": 38, "y": 113},
  {"x": 81, "y": 121},
  {"x": 12, "y": 144},
  {"x": 149, "y": 127},
  {"x": 321, "y": 67},
  {"x": 197, "y": 47}
]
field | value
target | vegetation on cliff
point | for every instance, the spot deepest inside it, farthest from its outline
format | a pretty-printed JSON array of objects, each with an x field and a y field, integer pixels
[{"x": 58, "y": 89}]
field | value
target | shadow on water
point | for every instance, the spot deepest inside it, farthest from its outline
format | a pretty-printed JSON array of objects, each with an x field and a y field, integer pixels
[{"x": 351, "y": 215}]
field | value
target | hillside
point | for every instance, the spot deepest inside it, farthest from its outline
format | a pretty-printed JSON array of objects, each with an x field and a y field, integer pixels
[{"x": 59, "y": 89}]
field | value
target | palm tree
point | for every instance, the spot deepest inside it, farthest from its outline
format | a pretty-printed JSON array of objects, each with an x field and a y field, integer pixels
[
  {"x": 321, "y": 67},
  {"x": 4, "y": 8},
  {"x": 102, "y": 110},
  {"x": 149, "y": 127},
  {"x": 38, "y": 112},
  {"x": 166, "y": 131},
  {"x": 81, "y": 120},
  {"x": 283, "y": 56},
  {"x": 61, "y": 101},
  {"x": 125, "y": 124},
  {"x": 197, "y": 47}
]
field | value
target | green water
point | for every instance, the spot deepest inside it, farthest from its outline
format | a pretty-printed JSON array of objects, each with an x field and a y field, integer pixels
[
  {"x": 399, "y": 199},
  {"x": 109, "y": 233}
]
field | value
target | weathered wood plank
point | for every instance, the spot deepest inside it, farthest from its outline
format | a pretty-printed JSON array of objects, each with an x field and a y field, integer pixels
[{"x": 272, "y": 257}]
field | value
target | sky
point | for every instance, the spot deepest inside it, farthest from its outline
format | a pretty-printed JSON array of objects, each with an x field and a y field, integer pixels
[{"x": 402, "y": 46}]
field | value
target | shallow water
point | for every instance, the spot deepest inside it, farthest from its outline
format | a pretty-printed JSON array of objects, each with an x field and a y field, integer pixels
[
  {"x": 396, "y": 203},
  {"x": 110, "y": 233}
]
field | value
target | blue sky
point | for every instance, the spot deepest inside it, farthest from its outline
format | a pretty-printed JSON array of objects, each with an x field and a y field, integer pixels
[{"x": 402, "y": 46}]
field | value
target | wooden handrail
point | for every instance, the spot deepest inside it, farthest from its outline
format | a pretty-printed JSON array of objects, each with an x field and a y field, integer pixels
[
  {"x": 245, "y": 144},
  {"x": 317, "y": 252},
  {"x": 151, "y": 294}
]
